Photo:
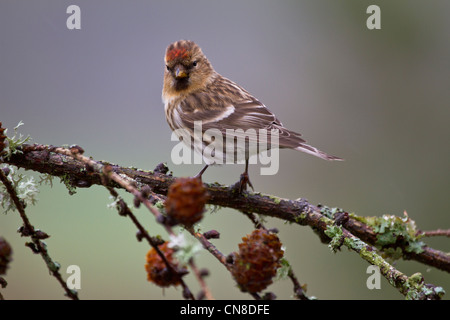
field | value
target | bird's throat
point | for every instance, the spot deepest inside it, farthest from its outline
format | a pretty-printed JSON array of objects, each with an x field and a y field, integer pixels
[{"x": 181, "y": 84}]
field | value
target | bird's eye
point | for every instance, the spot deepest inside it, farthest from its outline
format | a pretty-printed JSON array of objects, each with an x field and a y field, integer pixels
[
  {"x": 168, "y": 68},
  {"x": 194, "y": 64}
]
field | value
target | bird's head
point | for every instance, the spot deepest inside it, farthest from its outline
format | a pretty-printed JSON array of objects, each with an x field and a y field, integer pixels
[{"x": 187, "y": 69}]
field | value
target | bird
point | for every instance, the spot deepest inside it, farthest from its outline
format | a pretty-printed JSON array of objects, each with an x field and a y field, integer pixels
[{"x": 193, "y": 92}]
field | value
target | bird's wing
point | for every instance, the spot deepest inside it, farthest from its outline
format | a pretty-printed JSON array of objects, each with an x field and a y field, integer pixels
[{"x": 242, "y": 117}]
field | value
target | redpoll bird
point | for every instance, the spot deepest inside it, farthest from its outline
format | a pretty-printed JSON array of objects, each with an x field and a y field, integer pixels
[{"x": 194, "y": 93}]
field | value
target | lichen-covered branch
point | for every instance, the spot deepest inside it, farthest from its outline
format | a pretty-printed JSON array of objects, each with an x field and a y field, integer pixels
[
  {"x": 40, "y": 158},
  {"x": 413, "y": 287},
  {"x": 392, "y": 236},
  {"x": 37, "y": 245}
]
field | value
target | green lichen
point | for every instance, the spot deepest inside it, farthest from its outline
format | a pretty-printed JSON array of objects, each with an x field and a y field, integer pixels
[
  {"x": 25, "y": 187},
  {"x": 160, "y": 205},
  {"x": 276, "y": 200},
  {"x": 53, "y": 266},
  {"x": 394, "y": 232},
  {"x": 356, "y": 244},
  {"x": 115, "y": 202},
  {"x": 299, "y": 219},
  {"x": 417, "y": 289},
  {"x": 335, "y": 233},
  {"x": 393, "y": 253},
  {"x": 283, "y": 270},
  {"x": 329, "y": 212},
  {"x": 326, "y": 220},
  {"x": 185, "y": 249},
  {"x": 15, "y": 142},
  {"x": 212, "y": 208},
  {"x": 373, "y": 258},
  {"x": 439, "y": 291},
  {"x": 68, "y": 183},
  {"x": 46, "y": 179}
]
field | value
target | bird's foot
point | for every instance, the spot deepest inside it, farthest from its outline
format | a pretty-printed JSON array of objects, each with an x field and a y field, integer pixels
[{"x": 242, "y": 184}]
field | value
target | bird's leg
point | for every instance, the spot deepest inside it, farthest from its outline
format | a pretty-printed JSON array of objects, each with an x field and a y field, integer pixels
[
  {"x": 199, "y": 175},
  {"x": 244, "y": 180}
]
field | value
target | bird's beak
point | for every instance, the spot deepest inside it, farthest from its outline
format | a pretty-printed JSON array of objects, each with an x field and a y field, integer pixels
[{"x": 180, "y": 73}]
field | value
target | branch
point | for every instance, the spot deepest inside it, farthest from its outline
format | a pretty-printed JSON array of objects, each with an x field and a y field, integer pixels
[
  {"x": 332, "y": 225},
  {"x": 435, "y": 233},
  {"x": 107, "y": 175},
  {"x": 40, "y": 158},
  {"x": 37, "y": 246}
]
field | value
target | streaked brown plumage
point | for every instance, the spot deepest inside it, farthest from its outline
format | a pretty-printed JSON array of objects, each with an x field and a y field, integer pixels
[{"x": 194, "y": 91}]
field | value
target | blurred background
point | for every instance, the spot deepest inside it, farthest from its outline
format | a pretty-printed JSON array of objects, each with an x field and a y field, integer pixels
[{"x": 378, "y": 98}]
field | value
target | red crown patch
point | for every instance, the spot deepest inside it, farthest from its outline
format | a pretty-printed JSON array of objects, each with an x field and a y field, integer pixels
[{"x": 176, "y": 53}]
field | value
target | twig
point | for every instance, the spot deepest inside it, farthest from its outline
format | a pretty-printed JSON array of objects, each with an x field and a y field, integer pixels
[
  {"x": 107, "y": 170},
  {"x": 298, "y": 289},
  {"x": 125, "y": 211},
  {"x": 200, "y": 278},
  {"x": 3, "y": 284},
  {"x": 256, "y": 222},
  {"x": 76, "y": 152},
  {"x": 435, "y": 233},
  {"x": 39, "y": 246},
  {"x": 209, "y": 246}
]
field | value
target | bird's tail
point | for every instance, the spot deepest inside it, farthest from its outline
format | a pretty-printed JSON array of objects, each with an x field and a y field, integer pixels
[
  {"x": 293, "y": 140},
  {"x": 316, "y": 152}
]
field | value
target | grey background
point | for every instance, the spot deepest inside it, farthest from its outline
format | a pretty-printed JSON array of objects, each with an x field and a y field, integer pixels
[{"x": 379, "y": 99}]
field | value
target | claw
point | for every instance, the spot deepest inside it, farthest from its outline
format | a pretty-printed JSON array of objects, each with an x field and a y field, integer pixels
[{"x": 244, "y": 181}]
